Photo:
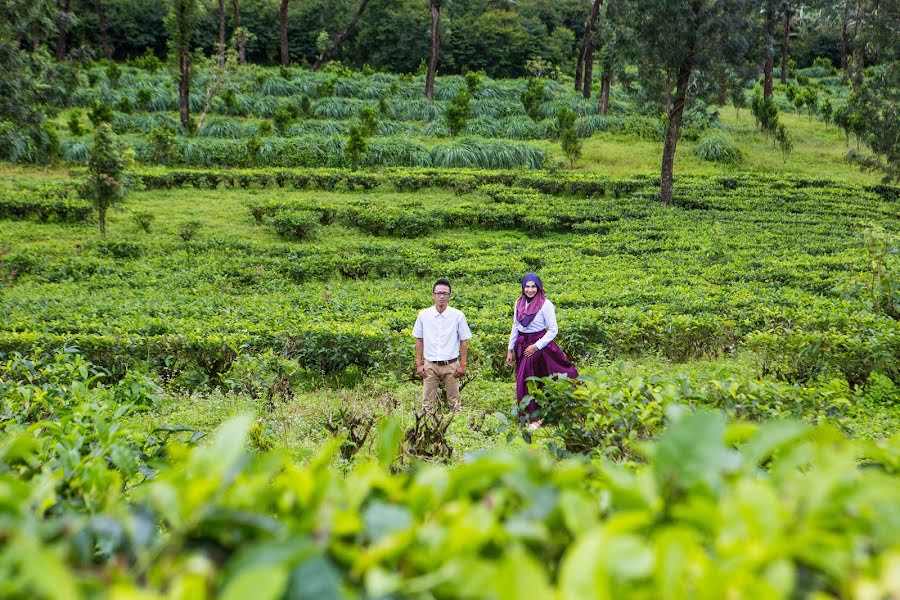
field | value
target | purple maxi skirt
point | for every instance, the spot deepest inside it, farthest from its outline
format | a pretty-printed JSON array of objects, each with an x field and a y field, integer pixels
[{"x": 543, "y": 363}]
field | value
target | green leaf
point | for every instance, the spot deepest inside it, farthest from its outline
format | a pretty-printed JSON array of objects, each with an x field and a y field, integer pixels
[
  {"x": 315, "y": 579},
  {"x": 262, "y": 582},
  {"x": 388, "y": 442}
]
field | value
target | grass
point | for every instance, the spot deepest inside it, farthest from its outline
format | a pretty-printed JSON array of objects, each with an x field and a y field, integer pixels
[{"x": 817, "y": 152}]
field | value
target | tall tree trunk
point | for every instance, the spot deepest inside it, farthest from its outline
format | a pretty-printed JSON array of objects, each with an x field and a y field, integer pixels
[
  {"x": 603, "y": 103},
  {"x": 61, "y": 39},
  {"x": 282, "y": 24},
  {"x": 579, "y": 68},
  {"x": 339, "y": 39},
  {"x": 587, "y": 46},
  {"x": 673, "y": 128},
  {"x": 784, "y": 42},
  {"x": 184, "y": 90},
  {"x": 221, "y": 33},
  {"x": 101, "y": 214},
  {"x": 844, "y": 23},
  {"x": 857, "y": 76},
  {"x": 101, "y": 17},
  {"x": 435, "y": 48},
  {"x": 769, "y": 63},
  {"x": 241, "y": 42}
]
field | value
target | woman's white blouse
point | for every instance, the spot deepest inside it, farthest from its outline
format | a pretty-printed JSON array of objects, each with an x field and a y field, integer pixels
[{"x": 544, "y": 319}]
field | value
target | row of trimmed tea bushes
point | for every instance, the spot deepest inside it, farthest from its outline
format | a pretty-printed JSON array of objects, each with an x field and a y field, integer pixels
[
  {"x": 514, "y": 209},
  {"x": 802, "y": 353},
  {"x": 22, "y": 205},
  {"x": 219, "y": 519},
  {"x": 316, "y": 151},
  {"x": 466, "y": 180}
]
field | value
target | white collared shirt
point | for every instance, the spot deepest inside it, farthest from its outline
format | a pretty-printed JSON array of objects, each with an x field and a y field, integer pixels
[
  {"x": 544, "y": 319},
  {"x": 441, "y": 332}
]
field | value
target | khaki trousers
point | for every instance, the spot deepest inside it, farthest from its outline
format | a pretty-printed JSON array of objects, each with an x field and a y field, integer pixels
[{"x": 436, "y": 375}]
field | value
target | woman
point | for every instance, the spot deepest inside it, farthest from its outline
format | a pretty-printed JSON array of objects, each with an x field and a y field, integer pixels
[{"x": 531, "y": 344}]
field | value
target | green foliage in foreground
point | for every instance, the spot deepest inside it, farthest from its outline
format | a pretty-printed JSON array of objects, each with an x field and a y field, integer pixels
[{"x": 718, "y": 509}]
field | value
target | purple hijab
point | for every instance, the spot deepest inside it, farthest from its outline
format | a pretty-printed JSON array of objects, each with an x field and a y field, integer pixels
[{"x": 525, "y": 311}]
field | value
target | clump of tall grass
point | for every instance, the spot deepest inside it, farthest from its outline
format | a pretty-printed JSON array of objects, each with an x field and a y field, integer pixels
[
  {"x": 75, "y": 150},
  {"x": 416, "y": 110},
  {"x": 396, "y": 152},
  {"x": 436, "y": 129},
  {"x": 340, "y": 108},
  {"x": 520, "y": 128},
  {"x": 716, "y": 147},
  {"x": 497, "y": 109},
  {"x": 387, "y": 128},
  {"x": 324, "y": 127},
  {"x": 483, "y": 127},
  {"x": 226, "y": 128},
  {"x": 487, "y": 154}
]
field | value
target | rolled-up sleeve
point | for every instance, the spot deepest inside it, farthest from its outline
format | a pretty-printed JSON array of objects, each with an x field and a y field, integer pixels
[{"x": 549, "y": 314}]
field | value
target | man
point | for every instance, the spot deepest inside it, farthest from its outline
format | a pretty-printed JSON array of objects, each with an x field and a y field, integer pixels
[{"x": 442, "y": 341}]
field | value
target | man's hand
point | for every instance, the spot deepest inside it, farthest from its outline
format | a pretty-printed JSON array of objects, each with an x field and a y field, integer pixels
[
  {"x": 530, "y": 350},
  {"x": 420, "y": 369},
  {"x": 511, "y": 359},
  {"x": 460, "y": 370}
]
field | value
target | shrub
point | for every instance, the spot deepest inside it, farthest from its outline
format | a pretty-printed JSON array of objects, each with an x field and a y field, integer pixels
[
  {"x": 368, "y": 116},
  {"x": 474, "y": 79},
  {"x": 532, "y": 98},
  {"x": 188, "y": 229},
  {"x": 717, "y": 147},
  {"x": 881, "y": 390},
  {"x": 296, "y": 224},
  {"x": 356, "y": 146},
  {"x": 76, "y": 127},
  {"x": 568, "y": 135},
  {"x": 100, "y": 113},
  {"x": 457, "y": 112},
  {"x": 105, "y": 183},
  {"x": 163, "y": 144},
  {"x": 143, "y": 220}
]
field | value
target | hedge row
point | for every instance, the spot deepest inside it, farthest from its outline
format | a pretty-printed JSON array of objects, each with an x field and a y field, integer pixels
[
  {"x": 467, "y": 180},
  {"x": 24, "y": 206}
]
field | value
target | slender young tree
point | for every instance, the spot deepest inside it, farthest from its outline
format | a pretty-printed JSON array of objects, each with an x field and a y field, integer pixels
[
  {"x": 64, "y": 19},
  {"x": 326, "y": 55},
  {"x": 107, "y": 163},
  {"x": 435, "y": 47},
  {"x": 584, "y": 69},
  {"x": 769, "y": 61},
  {"x": 239, "y": 31},
  {"x": 181, "y": 24},
  {"x": 282, "y": 25},
  {"x": 104, "y": 34},
  {"x": 221, "y": 49},
  {"x": 787, "y": 13},
  {"x": 698, "y": 36}
]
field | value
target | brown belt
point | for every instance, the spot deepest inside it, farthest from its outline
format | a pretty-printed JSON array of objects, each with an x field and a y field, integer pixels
[{"x": 443, "y": 362}]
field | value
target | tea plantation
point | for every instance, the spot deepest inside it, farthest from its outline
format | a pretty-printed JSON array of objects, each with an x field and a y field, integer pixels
[{"x": 218, "y": 397}]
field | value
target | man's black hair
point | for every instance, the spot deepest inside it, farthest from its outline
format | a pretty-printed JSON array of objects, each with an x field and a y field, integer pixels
[{"x": 441, "y": 282}]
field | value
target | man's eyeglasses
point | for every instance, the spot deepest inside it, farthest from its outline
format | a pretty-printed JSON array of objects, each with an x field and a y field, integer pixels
[{"x": 441, "y": 293}]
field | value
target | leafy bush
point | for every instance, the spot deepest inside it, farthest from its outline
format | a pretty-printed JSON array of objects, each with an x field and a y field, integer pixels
[
  {"x": 457, "y": 112},
  {"x": 189, "y": 229},
  {"x": 532, "y": 98},
  {"x": 296, "y": 224},
  {"x": 143, "y": 220},
  {"x": 76, "y": 127}
]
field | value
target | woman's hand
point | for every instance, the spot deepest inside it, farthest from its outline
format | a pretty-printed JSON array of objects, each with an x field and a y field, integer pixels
[
  {"x": 530, "y": 350},
  {"x": 511, "y": 359}
]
